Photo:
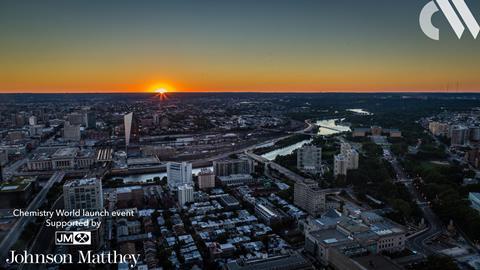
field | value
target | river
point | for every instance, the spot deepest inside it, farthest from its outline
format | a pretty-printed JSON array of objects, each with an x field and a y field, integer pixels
[
  {"x": 330, "y": 127},
  {"x": 333, "y": 127}
]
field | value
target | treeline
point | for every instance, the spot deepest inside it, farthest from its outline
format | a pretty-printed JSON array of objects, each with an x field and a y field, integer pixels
[
  {"x": 374, "y": 177},
  {"x": 441, "y": 185}
]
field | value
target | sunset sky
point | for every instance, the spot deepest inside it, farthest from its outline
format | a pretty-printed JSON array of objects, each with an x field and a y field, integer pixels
[{"x": 226, "y": 45}]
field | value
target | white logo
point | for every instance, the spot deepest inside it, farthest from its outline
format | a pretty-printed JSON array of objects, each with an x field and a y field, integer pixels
[
  {"x": 455, "y": 21},
  {"x": 72, "y": 238}
]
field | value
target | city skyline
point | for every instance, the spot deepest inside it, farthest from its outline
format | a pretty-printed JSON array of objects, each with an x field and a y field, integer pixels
[{"x": 231, "y": 46}]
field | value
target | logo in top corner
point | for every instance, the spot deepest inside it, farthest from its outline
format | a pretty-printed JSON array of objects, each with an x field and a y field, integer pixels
[{"x": 454, "y": 15}]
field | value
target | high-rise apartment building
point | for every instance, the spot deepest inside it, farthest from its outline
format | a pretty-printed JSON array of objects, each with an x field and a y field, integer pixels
[
  {"x": 346, "y": 160},
  {"x": 185, "y": 194},
  {"x": 179, "y": 174},
  {"x": 340, "y": 165},
  {"x": 206, "y": 179},
  {"x": 228, "y": 167},
  {"x": 309, "y": 197},
  {"x": 458, "y": 135},
  {"x": 309, "y": 159},
  {"x": 83, "y": 194}
]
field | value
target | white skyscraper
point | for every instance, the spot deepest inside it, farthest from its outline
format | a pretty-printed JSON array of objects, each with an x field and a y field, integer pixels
[
  {"x": 185, "y": 194},
  {"x": 83, "y": 194},
  {"x": 179, "y": 174}
]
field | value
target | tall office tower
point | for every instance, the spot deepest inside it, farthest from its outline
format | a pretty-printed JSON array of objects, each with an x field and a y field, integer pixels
[
  {"x": 308, "y": 196},
  {"x": 90, "y": 120},
  {"x": 185, "y": 194},
  {"x": 131, "y": 129},
  {"x": 179, "y": 174},
  {"x": 458, "y": 135},
  {"x": 32, "y": 120},
  {"x": 206, "y": 179},
  {"x": 228, "y": 167},
  {"x": 71, "y": 132},
  {"x": 340, "y": 165},
  {"x": 83, "y": 194},
  {"x": 309, "y": 159},
  {"x": 76, "y": 118}
]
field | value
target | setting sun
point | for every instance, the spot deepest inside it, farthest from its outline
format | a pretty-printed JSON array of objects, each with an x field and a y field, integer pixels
[{"x": 161, "y": 91}]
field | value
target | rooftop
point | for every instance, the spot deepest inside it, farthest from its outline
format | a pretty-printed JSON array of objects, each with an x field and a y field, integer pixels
[
  {"x": 82, "y": 182},
  {"x": 65, "y": 152}
]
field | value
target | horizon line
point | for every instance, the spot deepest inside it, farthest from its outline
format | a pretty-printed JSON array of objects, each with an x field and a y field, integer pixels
[{"x": 252, "y": 92}]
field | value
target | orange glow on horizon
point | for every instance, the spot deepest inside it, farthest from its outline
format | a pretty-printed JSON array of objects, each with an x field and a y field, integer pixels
[{"x": 161, "y": 88}]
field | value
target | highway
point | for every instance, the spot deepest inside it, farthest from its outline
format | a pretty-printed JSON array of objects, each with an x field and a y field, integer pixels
[
  {"x": 13, "y": 168},
  {"x": 14, "y": 233}
]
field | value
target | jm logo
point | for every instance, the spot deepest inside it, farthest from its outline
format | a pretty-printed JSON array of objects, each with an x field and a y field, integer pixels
[
  {"x": 453, "y": 18},
  {"x": 72, "y": 238}
]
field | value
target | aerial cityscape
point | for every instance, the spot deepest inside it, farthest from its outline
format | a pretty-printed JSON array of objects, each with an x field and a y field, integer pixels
[
  {"x": 239, "y": 135},
  {"x": 242, "y": 181}
]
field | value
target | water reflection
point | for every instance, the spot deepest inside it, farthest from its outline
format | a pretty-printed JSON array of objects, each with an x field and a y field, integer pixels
[
  {"x": 150, "y": 176},
  {"x": 360, "y": 111},
  {"x": 331, "y": 126}
]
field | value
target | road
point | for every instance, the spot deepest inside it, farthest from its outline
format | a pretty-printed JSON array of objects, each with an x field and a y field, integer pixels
[
  {"x": 13, "y": 168},
  {"x": 44, "y": 237},
  {"x": 435, "y": 226},
  {"x": 14, "y": 233}
]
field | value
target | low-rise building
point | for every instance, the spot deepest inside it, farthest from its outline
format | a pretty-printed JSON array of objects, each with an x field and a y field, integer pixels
[
  {"x": 16, "y": 193},
  {"x": 267, "y": 212},
  {"x": 61, "y": 159},
  {"x": 236, "y": 179},
  {"x": 289, "y": 261},
  {"x": 352, "y": 237},
  {"x": 83, "y": 194}
]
